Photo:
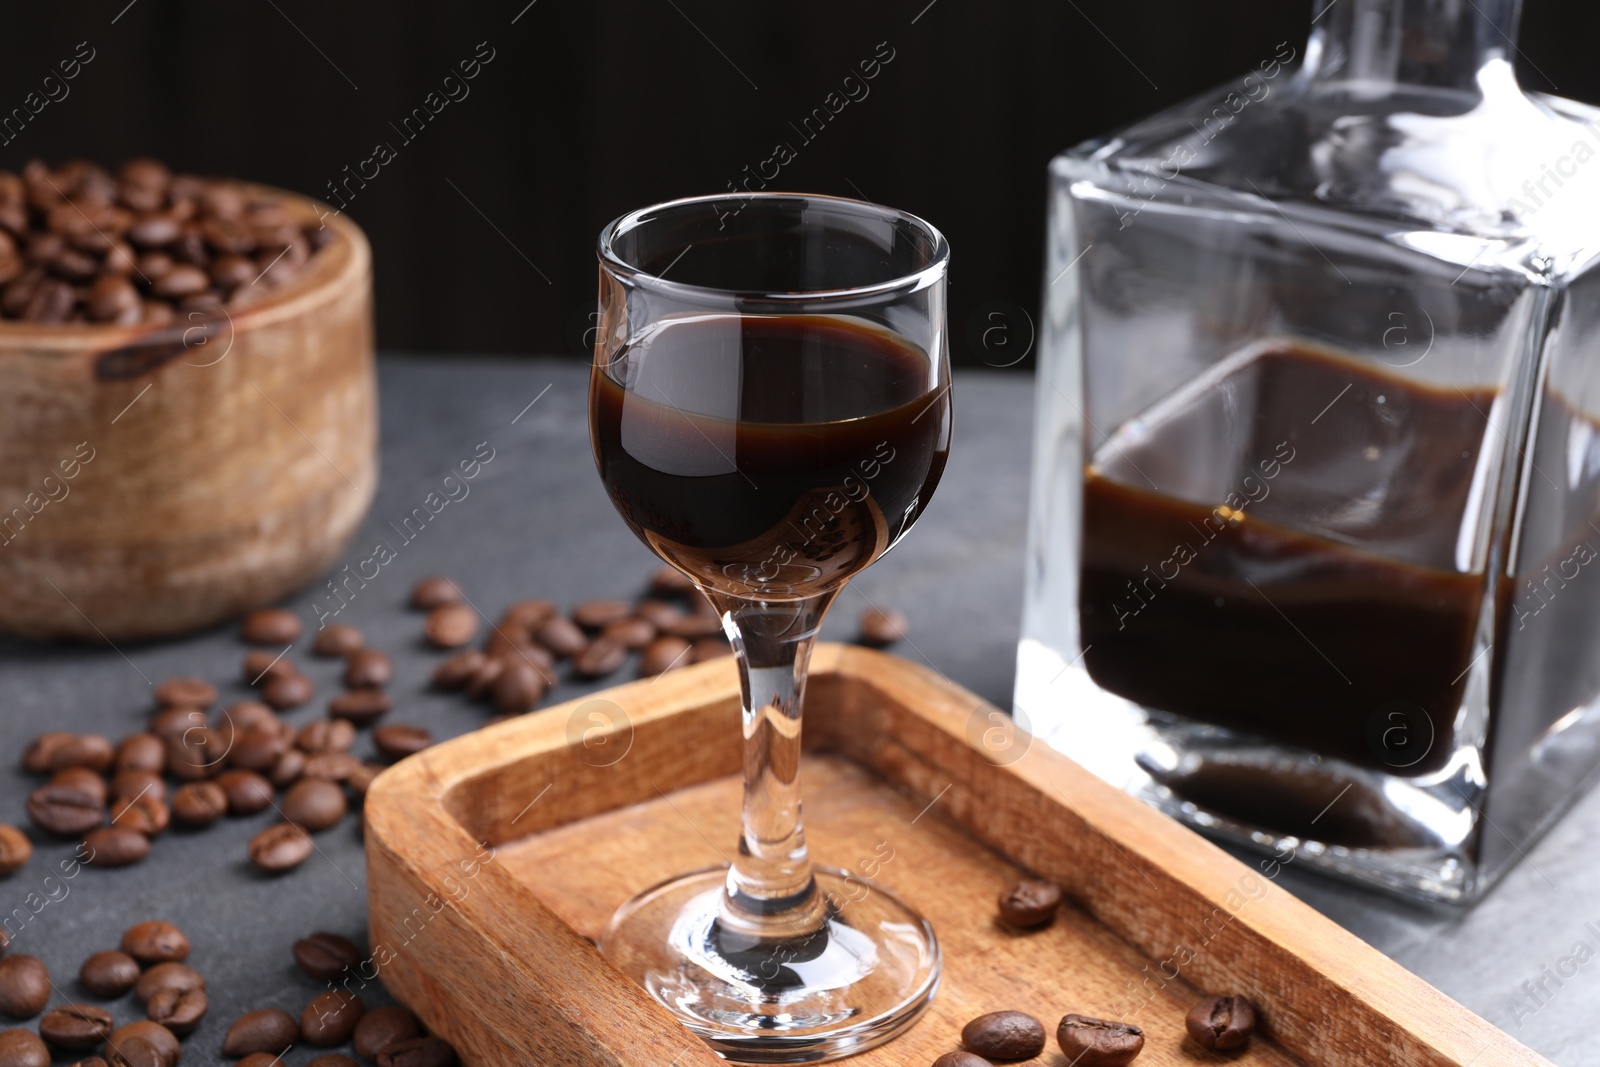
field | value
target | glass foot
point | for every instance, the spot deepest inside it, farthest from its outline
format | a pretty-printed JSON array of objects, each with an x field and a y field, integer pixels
[{"x": 856, "y": 983}]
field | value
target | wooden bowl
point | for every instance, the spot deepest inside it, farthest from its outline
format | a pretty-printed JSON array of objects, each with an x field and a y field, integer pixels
[{"x": 155, "y": 480}]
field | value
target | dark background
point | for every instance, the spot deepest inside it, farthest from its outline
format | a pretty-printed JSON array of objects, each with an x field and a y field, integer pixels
[{"x": 484, "y": 224}]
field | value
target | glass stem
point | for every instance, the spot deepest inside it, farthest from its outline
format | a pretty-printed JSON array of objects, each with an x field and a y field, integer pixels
[{"x": 771, "y": 895}]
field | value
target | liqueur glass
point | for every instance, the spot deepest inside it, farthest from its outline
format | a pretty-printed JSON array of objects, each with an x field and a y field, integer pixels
[{"x": 770, "y": 412}]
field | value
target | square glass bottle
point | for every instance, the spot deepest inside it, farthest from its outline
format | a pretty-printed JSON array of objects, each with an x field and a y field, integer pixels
[{"x": 1315, "y": 517}]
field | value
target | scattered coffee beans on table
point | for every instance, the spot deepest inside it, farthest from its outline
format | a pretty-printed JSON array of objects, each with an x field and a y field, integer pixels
[
  {"x": 15, "y": 850},
  {"x": 326, "y": 956},
  {"x": 269, "y": 1030},
  {"x": 1097, "y": 1042},
  {"x": 961, "y": 1059},
  {"x": 1221, "y": 1023},
  {"x": 109, "y": 975},
  {"x": 1030, "y": 904},
  {"x": 1004, "y": 1035},
  {"x": 23, "y": 1048},
  {"x": 269, "y": 626},
  {"x": 24, "y": 986}
]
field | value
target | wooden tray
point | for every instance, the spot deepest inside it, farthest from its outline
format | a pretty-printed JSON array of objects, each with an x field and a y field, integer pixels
[{"x": 583, "y": 805}]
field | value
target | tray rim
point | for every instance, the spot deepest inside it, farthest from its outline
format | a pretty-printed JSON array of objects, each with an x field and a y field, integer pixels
[{"x": 1408, "y": 1018}]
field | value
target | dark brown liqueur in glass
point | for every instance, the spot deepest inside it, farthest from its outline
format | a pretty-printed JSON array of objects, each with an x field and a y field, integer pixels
[
  {"x": 1253, "y": 564},
  {"x": 770, "y": 456}
]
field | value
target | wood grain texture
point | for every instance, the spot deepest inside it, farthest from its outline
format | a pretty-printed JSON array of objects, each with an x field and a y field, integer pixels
[
  {"x": 587, "y": 803},
  {"x": 230, "y": 461}
]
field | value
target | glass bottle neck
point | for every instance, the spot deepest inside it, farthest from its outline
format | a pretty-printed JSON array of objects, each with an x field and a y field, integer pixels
[{"x": 1441, "y": 44}]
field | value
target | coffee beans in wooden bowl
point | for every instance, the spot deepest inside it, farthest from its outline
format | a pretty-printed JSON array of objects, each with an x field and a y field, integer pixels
[{"x": 80, "y": 244}]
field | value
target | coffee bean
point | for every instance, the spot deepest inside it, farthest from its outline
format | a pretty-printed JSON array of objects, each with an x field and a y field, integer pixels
[
  {"x": 146, "y": 815},
  {"x": 326, "y": 956},
  {"x": 330, "y": 1019},
  {"x": 169, "y": 977},
  {"x": 603, "y": 656},
  {"x": 1221, "y": 1023},
  {"x": 430, "y": 593},
  {"x": 260, "y": 1059},
  {"x": 961, "y": 1059},
  {"x": 382, "y": 1027},
  {"x": 451, "y": 626},
  {"x": 694, "y": 626},
  {"x": 109, "y": 974},
  {"x": 57, "y": 751},
  {"x": 290, "y": 766},
  {"x": 314, "y": 804},
  {"x": 331, "y": 766},
  {"x": 669, "y": 581},
  {"x": 367, "y": 668},
  {"x": 262, "y": 665},
  {"x": 38, "y": 757},
  {"x": 178, "y": 1010},
  {"x": 663, "y": 654},
  {"x": 141, "y": 752},
  {"x": 91, "y": 1061},
  {"x": 1004, "y": 1035},
  {"x": 258, "y": 748},
  {"x": 175, "y": 722},
  {"x": 285, "y": 691},
  {"x": 454, "y": 672},
  {"x": 333, "y": 1059},
  {"x": 248, "y": 792},
  {"x": 24, "y": 986},
  {"x": 487, "y": 676},
  {"x": 361, "y": 707},
  {"x": 199, "y": 752},
  {"x": 361, "y": 779},
  {"x": 418, "y": 1052},
  {"x": 1098, "y": 1043},
  {"x": 280, "y": 848},
  {"x": 199, "y": 804},
  {"x": 658, "y": 613},
  {"x": 1030, "y": 903},
  {"x": 518, "y": 687},
  {"x": 521, "y": 649},
  {"x": 82, "y": 780},
  {"x": 268, "y": 1030},
  {"x": 524, "y": 615},
  {"x": 632, "y": 634},
  {"x": 76, "y": 1027},
  {"x": 155, "y": 941},
  {"x": 598, "y": 614},
  {"x": 248, "y": 715},
  {"x": 185, "y": 692},
  {"x": 142, "y": 1044},
  {"x": 22, "y": 1048},
  {"x": 880, "y": 628},
  {"x": 15, "y": 850},
  {"x": 129, "y": 784},
  {"x": 326, "y": 735},
  {"x": 337, "y": 641},
  {"x": 68, "y": 809},
  {"x": 708, "y": 648},
  {"x": 269, "y": 626},
  {"x": 398, "y": 740},
  {"x": 561, "y": 636}
]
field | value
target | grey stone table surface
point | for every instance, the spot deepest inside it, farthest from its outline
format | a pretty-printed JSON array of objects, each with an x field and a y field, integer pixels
[{"x": 536, "y": 522}]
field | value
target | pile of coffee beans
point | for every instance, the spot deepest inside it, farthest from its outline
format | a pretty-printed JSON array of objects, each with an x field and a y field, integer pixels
[
  {"x": 78, "y": 244},
  {"x": 387, "y": 1036},
  {"x": 148, "y": 963},
  {"x": 671, "y": 626},
  {"x": 1215, "y": 1023}
]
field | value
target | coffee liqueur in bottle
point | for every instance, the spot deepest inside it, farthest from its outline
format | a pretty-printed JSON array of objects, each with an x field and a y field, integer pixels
[{"x": 1314, "y": 554}]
